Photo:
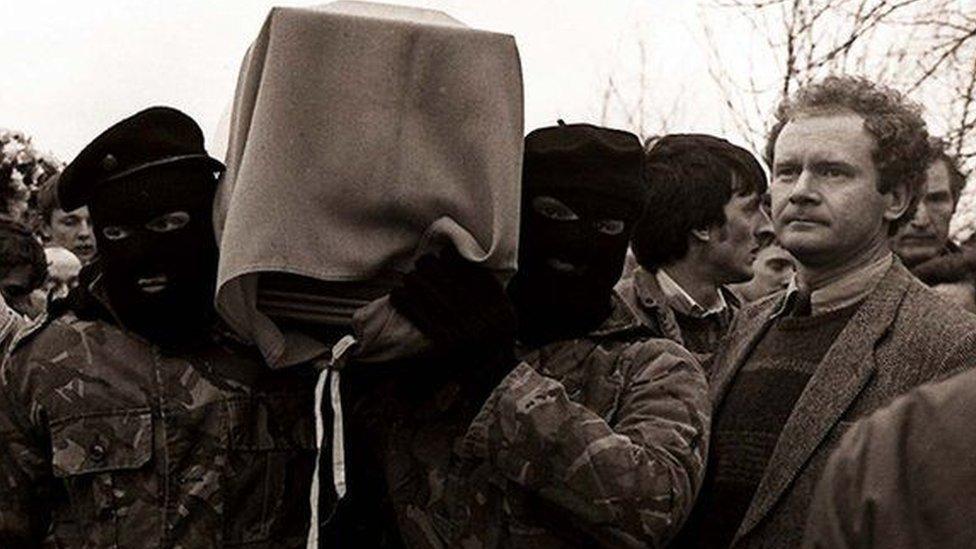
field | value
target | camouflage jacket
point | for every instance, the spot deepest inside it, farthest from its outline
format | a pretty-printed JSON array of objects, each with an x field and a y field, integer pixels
[
  {"x": 105, "y": 441},
  {"x": 599, "y": 441}
]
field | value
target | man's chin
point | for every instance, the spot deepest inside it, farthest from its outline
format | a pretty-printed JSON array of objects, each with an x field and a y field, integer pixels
[
  {"x": 914, "y": 255},
  {"x": 85, "y": 255}
]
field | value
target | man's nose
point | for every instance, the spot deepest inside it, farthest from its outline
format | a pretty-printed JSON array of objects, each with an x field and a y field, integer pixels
[
  {"x": 921, "y": 218},
  {"x": 85, "y": 229},
  {"x": 804, "y": 190},
  {"x": 763, "y": 229}
]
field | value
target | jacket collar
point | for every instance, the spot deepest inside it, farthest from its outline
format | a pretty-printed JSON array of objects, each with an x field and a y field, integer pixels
[
  {"x": 680, "y": 300},
  {"x": 840, "y": 292}
]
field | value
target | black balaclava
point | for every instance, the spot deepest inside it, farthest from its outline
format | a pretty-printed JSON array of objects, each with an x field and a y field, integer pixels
[
  {"x": 568, "y": 267},
  {"x": 160, "y": 276}
]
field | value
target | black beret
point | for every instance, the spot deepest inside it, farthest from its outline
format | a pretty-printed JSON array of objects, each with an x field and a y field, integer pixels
[
  {"x": 154, "y": 137},
  {"x": 582, "y": 156}
]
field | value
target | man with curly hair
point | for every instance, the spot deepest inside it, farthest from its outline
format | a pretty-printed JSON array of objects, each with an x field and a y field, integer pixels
[{"x": 852, "y": 331}]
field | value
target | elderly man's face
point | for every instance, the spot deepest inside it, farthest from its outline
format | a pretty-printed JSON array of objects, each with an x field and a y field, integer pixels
[
  {"x": 72, "y": 230},
  {"x": 926, "y": 235},
  {"x": 827, "y": 211}
]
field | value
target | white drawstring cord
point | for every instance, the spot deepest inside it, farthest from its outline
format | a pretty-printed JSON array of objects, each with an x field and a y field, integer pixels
[{"x": 329, "y": 367}]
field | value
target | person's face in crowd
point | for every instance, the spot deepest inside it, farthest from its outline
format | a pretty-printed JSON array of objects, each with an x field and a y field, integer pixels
[
  {"x": 62, "y": 272},
  {"x": 734, "y": 244},
  {"x": 827, "y": 210},
  {"x": 926, "y": 235},
  {"x": 16, "y": 289},
  {"x": 17, "y": 204},
  {"x": 72, "y": 230},
  {"x": 774, "y": 268},
  {"x": 156, "y": 243}
]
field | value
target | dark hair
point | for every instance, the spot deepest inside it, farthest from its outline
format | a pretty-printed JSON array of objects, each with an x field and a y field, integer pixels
[
  {"x": 19, "y": 246},
  {"x": 902, "y": 154},
  {"x": 957, "y": 179},
  {"x": 690, "y": 178}
]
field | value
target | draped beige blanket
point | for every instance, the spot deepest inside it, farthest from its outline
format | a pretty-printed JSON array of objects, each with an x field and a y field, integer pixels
[{"x": 360, "y": 136}]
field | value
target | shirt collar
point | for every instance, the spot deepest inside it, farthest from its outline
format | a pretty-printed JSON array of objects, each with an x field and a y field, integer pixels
[
  {"x": 842, "y": 291},
  {"x": 679, "y": 300}
]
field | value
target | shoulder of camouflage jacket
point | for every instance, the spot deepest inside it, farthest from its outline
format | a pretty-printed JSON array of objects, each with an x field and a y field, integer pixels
[
  {"x": 43, "y": 324},
  {"x": 27, "y": 332}
]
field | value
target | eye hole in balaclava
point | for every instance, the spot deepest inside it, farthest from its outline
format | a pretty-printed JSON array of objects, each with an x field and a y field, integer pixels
[
  {"x": 582, "y": 192},
  {"x": 554, "y": 214},
  {"x": 157, "y": 249}
]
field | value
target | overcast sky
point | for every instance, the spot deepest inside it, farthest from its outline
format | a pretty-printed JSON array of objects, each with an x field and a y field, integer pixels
[{"x": 74, "y": 68}]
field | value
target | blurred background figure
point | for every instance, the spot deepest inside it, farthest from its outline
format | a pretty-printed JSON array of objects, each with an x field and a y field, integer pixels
[
  {"x": 773, "y": 269},
  {"x": 923, "y": 244},
  {"x": 23, "y": 268},
  {"x": 23, "y": 169},
  {"x": 926, "y": 237},
  {"x": 70, "y": 230},
  {"x": 14, "y": 194},
  {"x": 62, "y": 272}
]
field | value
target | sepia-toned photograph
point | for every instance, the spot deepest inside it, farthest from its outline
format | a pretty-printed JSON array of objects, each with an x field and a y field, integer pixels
[{"x": 496, "y": 274}]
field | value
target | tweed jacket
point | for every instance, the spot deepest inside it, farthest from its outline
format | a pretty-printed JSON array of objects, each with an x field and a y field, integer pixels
[{"x": 901, "y": 336}]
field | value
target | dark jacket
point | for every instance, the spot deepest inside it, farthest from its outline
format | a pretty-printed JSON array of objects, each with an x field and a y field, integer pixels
[
  {"x": 900, "y": 337},
  {"x": 952, "y": 265},
  {"x": 905, "y": 477}
]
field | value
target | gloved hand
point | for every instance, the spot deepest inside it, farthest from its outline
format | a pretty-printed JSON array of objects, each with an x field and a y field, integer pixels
[{"x": 459, "y": 305}]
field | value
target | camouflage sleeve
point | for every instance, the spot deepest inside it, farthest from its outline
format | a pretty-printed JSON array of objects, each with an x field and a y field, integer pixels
[
  {"x": 632, "y": 478},
  {"x": 25, "y": 472}
]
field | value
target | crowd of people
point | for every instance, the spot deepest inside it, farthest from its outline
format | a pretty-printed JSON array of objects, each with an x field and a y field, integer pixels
[
  {"x": 689, "y": 353},
  {"x": 42, "y": 248}
]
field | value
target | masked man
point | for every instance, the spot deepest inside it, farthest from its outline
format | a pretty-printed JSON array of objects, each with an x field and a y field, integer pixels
[
  {"x": 597, "y": 435},
  {"x": 134, "y": 420}
]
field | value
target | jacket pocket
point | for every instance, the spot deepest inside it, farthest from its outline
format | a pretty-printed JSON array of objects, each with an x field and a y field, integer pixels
[
  {"x": 270, "y": 458},
  {"x": 103, "y": 462}
]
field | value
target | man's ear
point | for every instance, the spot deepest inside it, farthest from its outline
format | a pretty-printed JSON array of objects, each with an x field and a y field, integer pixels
[
  {"x": 897, "y": 200},
  {"x": 702, "y": 235}
]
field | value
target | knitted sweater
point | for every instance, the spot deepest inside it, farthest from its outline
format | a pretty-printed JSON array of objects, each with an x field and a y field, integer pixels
[{"x": 747, "y": 426}]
